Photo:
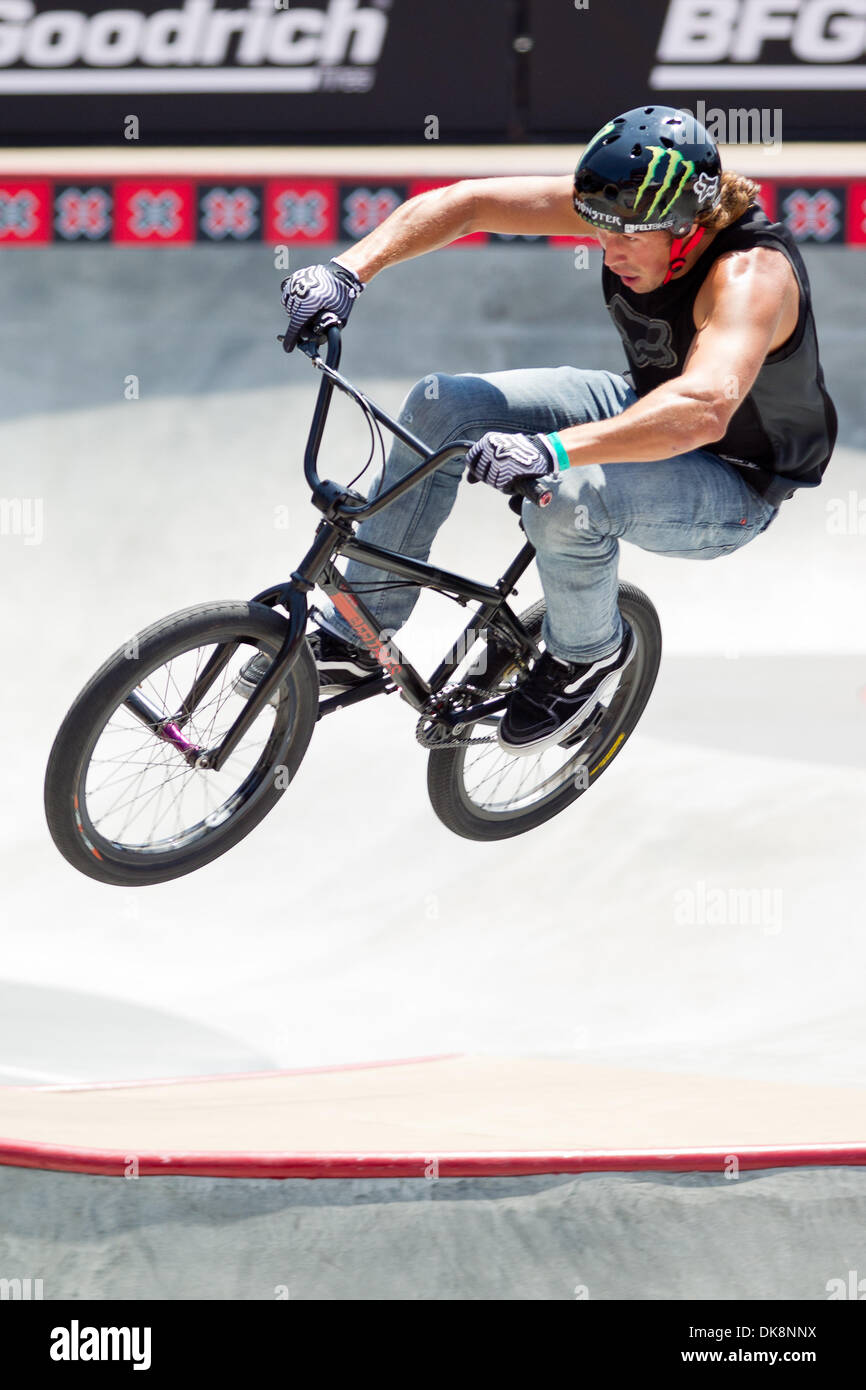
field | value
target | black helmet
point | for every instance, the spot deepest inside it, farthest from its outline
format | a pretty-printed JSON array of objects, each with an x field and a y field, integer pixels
[{"x": 653, "y": 169}]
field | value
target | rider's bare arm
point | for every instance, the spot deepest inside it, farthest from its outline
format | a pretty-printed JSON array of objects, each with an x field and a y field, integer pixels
[
  {"x": 533, "y": 205},
  {"x": 743, "y": 311}
]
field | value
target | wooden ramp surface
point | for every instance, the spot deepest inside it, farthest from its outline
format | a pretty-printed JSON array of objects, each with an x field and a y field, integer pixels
[{"x": 454, "y": 1115}]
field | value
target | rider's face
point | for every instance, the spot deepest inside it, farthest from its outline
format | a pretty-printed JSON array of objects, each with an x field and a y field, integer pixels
[{"x": 640, "y": 259}]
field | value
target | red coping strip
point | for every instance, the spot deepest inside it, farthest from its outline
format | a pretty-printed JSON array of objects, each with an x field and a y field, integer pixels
[
  {"x": 170, "y": 209},
  {"x": 270, "y": 1164},
  {"x": 112, "y": 1163}
]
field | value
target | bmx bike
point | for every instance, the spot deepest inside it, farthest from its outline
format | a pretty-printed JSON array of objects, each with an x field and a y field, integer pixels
[{"x": 161, "y": 765}]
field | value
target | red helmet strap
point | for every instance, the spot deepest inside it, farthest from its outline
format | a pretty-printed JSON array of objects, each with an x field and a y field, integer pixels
[{"x": 680, "y": 248}]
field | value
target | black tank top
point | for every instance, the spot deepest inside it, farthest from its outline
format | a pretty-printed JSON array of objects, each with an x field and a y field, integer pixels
[{"x": 781, "y": 436}]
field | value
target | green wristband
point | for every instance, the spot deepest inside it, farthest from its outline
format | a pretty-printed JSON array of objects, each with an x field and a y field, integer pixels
[{"x": 559, "y": 450}]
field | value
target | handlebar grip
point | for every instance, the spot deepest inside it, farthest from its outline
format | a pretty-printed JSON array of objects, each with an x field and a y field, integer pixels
[
  {"x": 535, "y": 489},
  {"x": 316, "y": 330},
  {"x": 309, "y": 344}
]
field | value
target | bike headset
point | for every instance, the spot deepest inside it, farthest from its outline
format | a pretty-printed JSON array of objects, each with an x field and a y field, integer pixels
[{"x": 650, "y": 170}]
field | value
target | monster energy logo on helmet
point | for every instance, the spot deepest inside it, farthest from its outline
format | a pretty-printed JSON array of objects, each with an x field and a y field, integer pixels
[
  {"x": 674, "y": 159},
  {"x": 652, "y": 169}
]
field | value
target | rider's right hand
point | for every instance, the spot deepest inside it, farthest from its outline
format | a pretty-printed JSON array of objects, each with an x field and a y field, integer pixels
[{"x": 329, "y": 290}]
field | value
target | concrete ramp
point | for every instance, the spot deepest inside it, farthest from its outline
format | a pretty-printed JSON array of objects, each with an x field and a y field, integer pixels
[{"x": 449, "y": 1178}]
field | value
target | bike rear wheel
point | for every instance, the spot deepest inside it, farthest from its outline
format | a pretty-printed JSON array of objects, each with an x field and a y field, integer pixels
[
  {"x": 482, "y": 792},
  {"x": 125, "y": 805}
]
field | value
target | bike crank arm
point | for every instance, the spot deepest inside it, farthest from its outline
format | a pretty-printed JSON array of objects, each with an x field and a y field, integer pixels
[{"x": 472, "y": 714}]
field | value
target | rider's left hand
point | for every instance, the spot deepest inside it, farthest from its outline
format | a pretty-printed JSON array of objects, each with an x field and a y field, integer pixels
[{"x": 500, "y": 459}]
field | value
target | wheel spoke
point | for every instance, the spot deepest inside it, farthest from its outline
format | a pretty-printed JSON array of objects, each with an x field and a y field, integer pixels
[
  {"x": 140, "y": 793},
  {"x": 498, "y": 783}
]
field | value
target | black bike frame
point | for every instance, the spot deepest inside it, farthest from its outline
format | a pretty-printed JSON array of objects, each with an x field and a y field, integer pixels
[{"x": 334, "y": 538}]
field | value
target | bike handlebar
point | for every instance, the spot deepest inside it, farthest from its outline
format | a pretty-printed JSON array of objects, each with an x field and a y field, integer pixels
[{"x": 534, "y": 489}]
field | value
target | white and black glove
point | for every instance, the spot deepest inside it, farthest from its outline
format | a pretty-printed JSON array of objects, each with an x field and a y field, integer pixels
[
  {"x": 329, "y": 290},
  {"x": 500, "y": 459}
]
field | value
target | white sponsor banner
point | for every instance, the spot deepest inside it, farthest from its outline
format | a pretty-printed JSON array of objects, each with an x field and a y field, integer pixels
[
  {"x": 756, "y": 78},
  {"x": 160, "y": 80},
  {"x": 722, "y": 45},
  {"x": 260, "y": 46}
]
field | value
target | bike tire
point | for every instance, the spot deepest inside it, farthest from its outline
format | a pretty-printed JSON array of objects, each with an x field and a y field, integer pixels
[
  {"x": 180, "y": 634},
  {"x": 445, "y": 768}
]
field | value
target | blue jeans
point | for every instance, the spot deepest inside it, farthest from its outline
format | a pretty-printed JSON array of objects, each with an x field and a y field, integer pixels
[{"x": 694, "y": 506}]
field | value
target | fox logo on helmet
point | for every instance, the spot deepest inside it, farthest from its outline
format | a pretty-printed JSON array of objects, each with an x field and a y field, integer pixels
[{"x": 707, "y": 189}]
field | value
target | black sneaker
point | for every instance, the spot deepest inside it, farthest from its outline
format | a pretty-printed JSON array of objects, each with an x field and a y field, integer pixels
[
  {"x": 339, "y": 664},
  {"x": 557, "y": 696}
]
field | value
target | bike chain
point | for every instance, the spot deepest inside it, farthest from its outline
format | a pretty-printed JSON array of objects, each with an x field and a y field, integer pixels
[{"x": 435, "y": 706}]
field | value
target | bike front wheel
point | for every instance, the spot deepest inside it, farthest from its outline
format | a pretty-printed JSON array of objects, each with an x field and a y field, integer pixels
[
  {"x": 482, "y": 792},
  {"x": 127, "y": 805}
]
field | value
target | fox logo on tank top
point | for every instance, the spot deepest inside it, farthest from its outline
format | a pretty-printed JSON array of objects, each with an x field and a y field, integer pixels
[{"x": 647, "y": 341}]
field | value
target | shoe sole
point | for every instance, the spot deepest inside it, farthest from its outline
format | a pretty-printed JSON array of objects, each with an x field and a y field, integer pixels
[
  {"x": 328, "y": 689},
  {"x": 607, "y": 687},
  {"x": 245, "y": 688}
]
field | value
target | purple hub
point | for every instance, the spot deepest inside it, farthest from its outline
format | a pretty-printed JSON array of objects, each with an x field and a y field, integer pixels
[{"x": 173, "y": 734}]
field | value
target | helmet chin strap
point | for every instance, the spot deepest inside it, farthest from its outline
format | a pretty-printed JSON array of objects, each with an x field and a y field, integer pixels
[{"x": 680, "y": 248}]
